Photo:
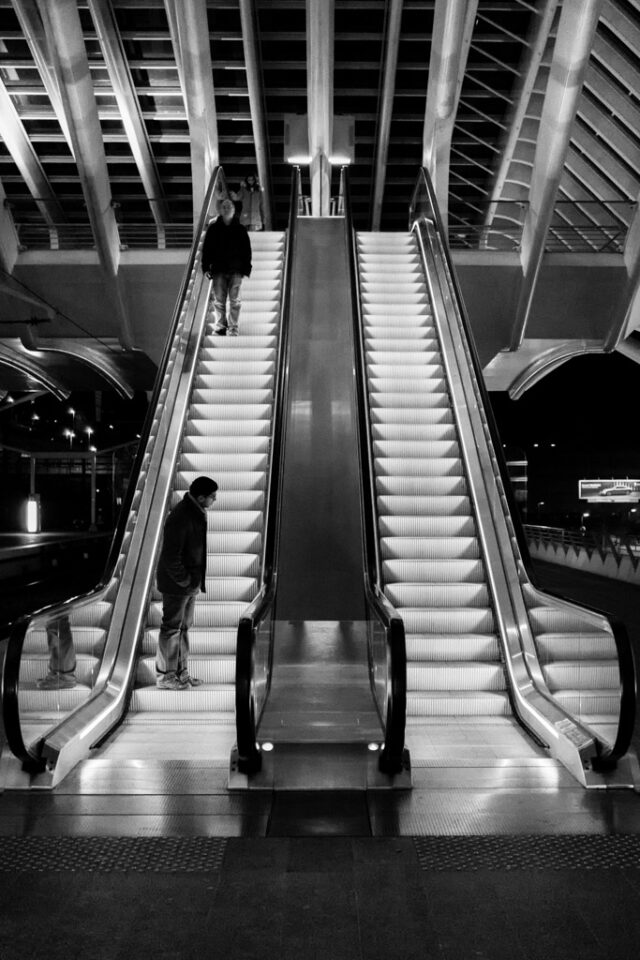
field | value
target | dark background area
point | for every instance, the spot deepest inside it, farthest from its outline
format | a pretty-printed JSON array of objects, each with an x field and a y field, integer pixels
[{"x": 579, "y": 422}]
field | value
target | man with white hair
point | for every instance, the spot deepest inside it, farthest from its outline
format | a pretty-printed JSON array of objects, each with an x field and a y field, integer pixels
[{"x": 226, "y": 259}]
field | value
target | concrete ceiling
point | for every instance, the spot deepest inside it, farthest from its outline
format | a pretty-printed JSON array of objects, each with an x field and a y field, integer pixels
[{"x": 526, "y": 112}]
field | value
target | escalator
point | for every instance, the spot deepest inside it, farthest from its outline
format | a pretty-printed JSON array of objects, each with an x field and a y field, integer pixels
[
  {"x": 321, "y": 661},
  {"x": 482, "y": 642},
  {"x": 212, "y": 413},
  {"x": 364, "y": 563},
  {"x": 227, "y": 435}
]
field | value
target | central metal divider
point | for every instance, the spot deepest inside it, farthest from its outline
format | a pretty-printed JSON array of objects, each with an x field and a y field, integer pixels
[{"x": 320, "y": 715}]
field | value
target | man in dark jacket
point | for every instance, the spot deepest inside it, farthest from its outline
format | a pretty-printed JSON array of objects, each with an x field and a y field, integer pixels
[
  {"x": 180, "y": 576},
  {"x": 226, "y": 259}
]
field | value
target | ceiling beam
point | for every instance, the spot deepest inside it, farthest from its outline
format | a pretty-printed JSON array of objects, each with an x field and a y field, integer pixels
[
  {"x": 9, "y": 242},
  {"x": 26, "y": 160},
  {"x": 93, "y": 355},
  {"x": 190, "y": 36},
  {"x": 522, "y": 105},
  {"x": 320, "y": 56},
  {"x": 127, "y": 99},
  {"x": 453, "y": 22},
  {"x": 392, "y": 41},
  {"x": 252, "y": 60},
  {"x": 576, "y": 30},
  {"x": 627, "y": 316},
  {"x": 66, "y": 43},
  {"x": 31, "y": 23},
  {"x": 30, "y": 367}
]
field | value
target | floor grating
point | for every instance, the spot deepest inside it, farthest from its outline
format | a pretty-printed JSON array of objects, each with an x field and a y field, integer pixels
[
  {"x": 111, "y": 854},
  {"x": 575, "y": 852}
]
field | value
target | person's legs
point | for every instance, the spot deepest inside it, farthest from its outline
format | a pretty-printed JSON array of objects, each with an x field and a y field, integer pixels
[
  {"x": 220, "y": 290},
  {"x": 62, "y": 656},
  {"x": 169, "y": 639},
  {"x": 235, "y": 283},
  {"x": 182, "y": 667}
]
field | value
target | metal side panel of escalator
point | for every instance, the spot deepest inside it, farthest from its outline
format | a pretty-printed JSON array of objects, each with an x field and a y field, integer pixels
[{"x": 320, "y": 721}]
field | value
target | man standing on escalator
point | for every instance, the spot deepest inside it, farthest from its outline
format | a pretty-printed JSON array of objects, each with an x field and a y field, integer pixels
[
  {"x": 181, "y": 576},
  {"x": 226, "y": 259}
]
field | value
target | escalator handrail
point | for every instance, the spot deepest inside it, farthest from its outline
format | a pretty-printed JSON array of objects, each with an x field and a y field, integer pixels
[
  {"x": 391, "y": 758},
  {"x": 626, "y": 655},
  {"x": 9, "y": 681},
  {"x": 257, "y": 611}
]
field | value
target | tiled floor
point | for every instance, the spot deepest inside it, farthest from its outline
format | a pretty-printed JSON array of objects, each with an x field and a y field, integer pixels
[{"x": 351, "y": 898}]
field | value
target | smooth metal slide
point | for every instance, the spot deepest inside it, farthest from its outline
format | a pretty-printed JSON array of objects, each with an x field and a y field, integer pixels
[{"x": 316, "y": 709}]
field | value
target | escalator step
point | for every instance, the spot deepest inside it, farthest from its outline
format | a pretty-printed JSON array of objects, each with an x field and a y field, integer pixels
[
  {"x": 427, "y": 527},
  {"x": 421, "y": 486},
  {"x": 463, "y": 703},
  {"x": 583, "y": 675},
  {"x": 227, "y": 480},
  {"x": 445, "y": 647},
  {"x": 407, "y": 415},
  {"x": 232, "y": 411},
  {"x": 449, "y": 620},
  {"x": 453, "y": 676},
  {"x": 414, "y": 432},
  {"x": 437, "y": 594},
  {"x": 230, "y": 443},
  {"x": 575, "y": 646},
  {"x": 430, "y": 548},
  {"x": 432, "y": 467},
  {"x": 391, "y": 506},
  {"x": 230, "y": 428},
  {"x": 203, "y": 463},
  {"x": 433, "y": 571},
  {"x": 397, "y": 402}
]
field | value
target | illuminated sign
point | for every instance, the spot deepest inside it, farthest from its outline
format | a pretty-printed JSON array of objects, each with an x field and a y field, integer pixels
[{"x": 609, "y": 491}]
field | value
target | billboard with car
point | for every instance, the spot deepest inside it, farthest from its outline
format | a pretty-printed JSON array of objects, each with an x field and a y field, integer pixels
[{"x": 609, "y": 491}]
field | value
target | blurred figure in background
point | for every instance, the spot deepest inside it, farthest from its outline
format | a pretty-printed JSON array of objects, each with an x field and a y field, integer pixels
[{"x": 250, "y": 208}]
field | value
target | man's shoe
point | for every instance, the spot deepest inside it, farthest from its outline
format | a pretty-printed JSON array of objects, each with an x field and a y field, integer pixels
[
  {"x": 170, "y": 683},
  {"x": 220, "y": 331},
  {"x": 188, "y": 681},
  {"x": 57, "y": 681},
  {"x": 232, "y": 333}
]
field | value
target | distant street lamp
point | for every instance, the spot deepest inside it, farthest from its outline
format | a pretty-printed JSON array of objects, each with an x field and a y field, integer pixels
[{"x": 70, "y": 434}]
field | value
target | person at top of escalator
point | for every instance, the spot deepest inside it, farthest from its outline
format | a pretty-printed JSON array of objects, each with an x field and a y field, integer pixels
[
  {"x": 249, "y": 204},
  {"x": 180, "y": 577},
  {"x": 226, "y": 259}
]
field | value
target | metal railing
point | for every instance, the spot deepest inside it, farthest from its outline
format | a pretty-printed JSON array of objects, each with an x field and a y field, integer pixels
[
  {"x": 79, "y": 236},
  {"x": 577, "y": 227},
  {"x": 599, "y": 544}
]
